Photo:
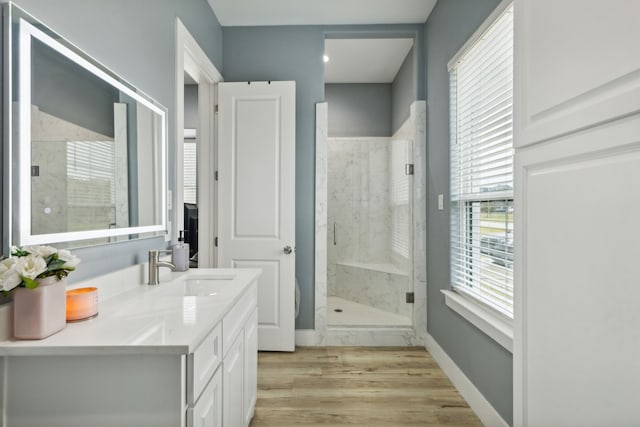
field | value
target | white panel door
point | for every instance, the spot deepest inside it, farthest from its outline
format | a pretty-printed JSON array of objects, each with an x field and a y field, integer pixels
[
  {"x": 577, "y": 233},
  {"x": 257, "y": 198}
]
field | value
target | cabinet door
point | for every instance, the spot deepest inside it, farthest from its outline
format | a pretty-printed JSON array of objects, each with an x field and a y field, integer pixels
[
  {"x": 576, "y": 66},
  {"x": 250, "y": 366},
  {"x": 233, "y": 383},
  {"x": 207, "y": 412},
  {"x": 577, "y": 165}
]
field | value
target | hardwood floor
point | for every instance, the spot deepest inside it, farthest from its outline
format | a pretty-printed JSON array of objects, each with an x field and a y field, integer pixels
[{"x": 364, "y": 386}]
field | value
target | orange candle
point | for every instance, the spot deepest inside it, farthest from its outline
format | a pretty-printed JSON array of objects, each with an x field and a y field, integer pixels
[{"x": 82, "y": 303}]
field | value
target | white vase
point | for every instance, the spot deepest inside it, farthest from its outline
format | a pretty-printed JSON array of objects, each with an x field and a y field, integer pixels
[{"x": 40, "y": 312}]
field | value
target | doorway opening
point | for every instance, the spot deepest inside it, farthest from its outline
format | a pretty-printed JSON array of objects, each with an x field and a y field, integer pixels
[
  {"x": 195, "y": 193},
  {"x": 367, "y": 143},
  {"x": 190, "y": 169}
]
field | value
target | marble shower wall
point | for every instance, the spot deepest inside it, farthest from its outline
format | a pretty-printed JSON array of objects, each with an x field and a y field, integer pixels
[
  {"x": 359, "y": 208},
  {"x": 414, "y": 129},
  {"x": 369, "y": 213},
  {"x": 52, "y": 189},
  {"x": 381, "y": 286}
]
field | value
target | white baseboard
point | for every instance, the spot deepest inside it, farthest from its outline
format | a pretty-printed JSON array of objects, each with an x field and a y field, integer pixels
[
  {"x": 481, "y": 406},
  {"x": 306, "y": 338}
]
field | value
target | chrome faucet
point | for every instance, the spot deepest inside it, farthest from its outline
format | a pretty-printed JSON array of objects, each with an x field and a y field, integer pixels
[{"x": 155, "y": 264}]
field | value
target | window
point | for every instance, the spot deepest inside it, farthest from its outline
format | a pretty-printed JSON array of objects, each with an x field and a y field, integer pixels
[
  {"x": 400, "y": 200},
  {"x": 91, "y": 186},
  {"x": 190, "y": 171},
  {"x": 482, "y": 166}
]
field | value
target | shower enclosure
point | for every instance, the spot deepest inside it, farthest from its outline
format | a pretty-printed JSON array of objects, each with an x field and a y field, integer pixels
[{"x": 369, "y": 238}]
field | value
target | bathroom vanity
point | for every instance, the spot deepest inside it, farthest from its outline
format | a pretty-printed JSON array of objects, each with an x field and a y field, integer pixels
[{"x": 182, "y": 353}]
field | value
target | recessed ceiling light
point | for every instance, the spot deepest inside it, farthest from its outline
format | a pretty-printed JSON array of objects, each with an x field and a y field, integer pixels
[{"x": 325, "y": 58}]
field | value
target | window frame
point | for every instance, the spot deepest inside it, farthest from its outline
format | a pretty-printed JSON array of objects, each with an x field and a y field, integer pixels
[{"x": 486, "y": 313}]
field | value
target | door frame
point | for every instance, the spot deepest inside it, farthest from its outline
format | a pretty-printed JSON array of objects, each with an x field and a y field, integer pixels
[
  {"x": 190, "y": 58},
  {"x": 322, "y": 335}
]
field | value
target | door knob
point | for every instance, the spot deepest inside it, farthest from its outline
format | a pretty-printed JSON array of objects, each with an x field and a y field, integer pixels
[{"x": 288, "y": 250}]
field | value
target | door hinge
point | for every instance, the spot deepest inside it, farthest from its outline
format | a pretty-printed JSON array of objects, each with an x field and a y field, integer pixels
[
  {"x": 216, "y": 175},
  {"x": 35, "y": 170},
  {"x": 215, "y": 109},
  {"x": 408, "y": 169},
  {"x": 410, "y": 297},
  {"x": 215, "y": 242}
]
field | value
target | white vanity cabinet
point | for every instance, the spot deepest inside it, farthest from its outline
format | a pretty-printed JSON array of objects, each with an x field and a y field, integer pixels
[
  {"x": 159, "y": 375},
  {"x": 250, "y": 366},
  {"x": 240, "y": 347},
  {"x": 204, "y": 382},
  {"x": 207, "y": 411},
  {"x": 230, "y": 392},
  {"x": 240, "y": 370}
]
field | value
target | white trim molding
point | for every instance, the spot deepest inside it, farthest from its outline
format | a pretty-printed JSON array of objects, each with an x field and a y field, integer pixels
[
  {"x": 190, "y": 58},
  {"x": 500, "y": 330},
  {"x": 480, "y": 405},
  {"x": 306, "y": 338},
  {"x": 488, "y": 22}
]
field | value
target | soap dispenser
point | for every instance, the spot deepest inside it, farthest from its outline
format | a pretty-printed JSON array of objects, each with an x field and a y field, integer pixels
[{"x": 180, "y": 254}]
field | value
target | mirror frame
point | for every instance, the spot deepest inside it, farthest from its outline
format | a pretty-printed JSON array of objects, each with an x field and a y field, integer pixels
[{"x": 18, "y": 219}]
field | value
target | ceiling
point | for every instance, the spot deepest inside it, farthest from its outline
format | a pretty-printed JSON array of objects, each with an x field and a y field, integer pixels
[
  {"x": 320, "y": 12},
  {"x": 364, "y": 60}
]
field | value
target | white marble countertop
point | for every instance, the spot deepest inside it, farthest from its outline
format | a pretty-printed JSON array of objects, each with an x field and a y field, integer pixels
[{"x": 170, "y": 318}]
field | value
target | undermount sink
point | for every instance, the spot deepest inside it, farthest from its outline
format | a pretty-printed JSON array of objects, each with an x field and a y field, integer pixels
[
  {"x": 205, "y": 287},
  {"x": 199, "y": 286}
]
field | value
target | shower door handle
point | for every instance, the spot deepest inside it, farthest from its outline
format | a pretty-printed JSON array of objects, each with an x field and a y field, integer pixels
[
  {"x": 335, "y": 242},
  {"x": 287, "y": 250}
]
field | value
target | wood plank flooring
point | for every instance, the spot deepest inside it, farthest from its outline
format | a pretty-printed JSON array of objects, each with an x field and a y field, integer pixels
[{"x": 357, "y": 386}]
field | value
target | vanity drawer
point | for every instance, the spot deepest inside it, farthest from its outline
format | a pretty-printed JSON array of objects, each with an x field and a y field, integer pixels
[
  {"x": 234, "y": 320},
  {"x": 203, "y": 362}
]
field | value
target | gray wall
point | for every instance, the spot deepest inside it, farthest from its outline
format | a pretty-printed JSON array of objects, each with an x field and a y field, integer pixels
[
  {"x": 359, "y": 109},
  {"x": 135, "y": 39},
  {"x": 190, "y": 106},
  {"x": 403, "y": 92},
  {"x": 295, "y": 53},
  {"x": 485, "y": 363},
  {"x": 372, "y": 109},
  {"x": 288, "y": 53},
  {"x": 65, "y": 90}
]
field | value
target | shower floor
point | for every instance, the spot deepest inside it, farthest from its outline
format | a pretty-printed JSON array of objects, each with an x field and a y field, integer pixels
[{"x": 354, "y": 314}]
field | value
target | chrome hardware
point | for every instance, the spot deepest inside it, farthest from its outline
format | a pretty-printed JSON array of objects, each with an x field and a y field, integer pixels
[
  {"x": 335, "y": 242},
  {"x": 155, "y": 264},
  {"x": 288, "y": 250},
  {"x": 408, "y": 169}
]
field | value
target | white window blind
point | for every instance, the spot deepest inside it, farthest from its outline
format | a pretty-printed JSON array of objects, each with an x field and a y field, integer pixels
[
  {"x": 90, "y": 184},
  {"x": 482, "y": 167},
  {"x": 190, "y": 171},
  {"x": 91, "y": 173},
  {"x": 400, "y": 238}
]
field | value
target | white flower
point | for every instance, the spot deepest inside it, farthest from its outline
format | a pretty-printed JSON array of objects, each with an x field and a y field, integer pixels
[
  {"x": 30, "y": 266},
  {"x": 7, "y": 263},
  {"x": 43, "y": 251},
  {"x": 9, "y": 279},
  {"x": 70, "y": 260}
]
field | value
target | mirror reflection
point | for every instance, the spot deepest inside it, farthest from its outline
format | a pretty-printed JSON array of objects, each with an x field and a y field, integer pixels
[{"x": 90, "y": 148}]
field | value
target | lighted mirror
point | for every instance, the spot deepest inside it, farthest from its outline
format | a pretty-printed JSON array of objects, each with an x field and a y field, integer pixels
[{"x": 88, "y": 149}]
